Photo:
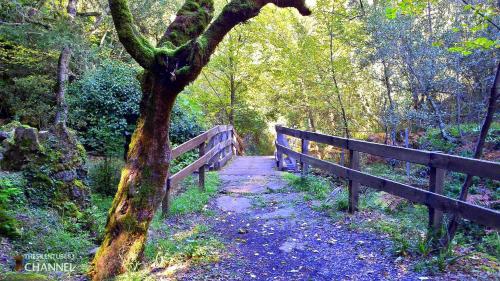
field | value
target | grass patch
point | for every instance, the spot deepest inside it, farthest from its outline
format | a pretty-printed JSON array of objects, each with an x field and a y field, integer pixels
[
  {"x": 44, "y": 231},
  {"x": 193, "y": 245},
  {"x": 193, "y": 200},
  {"x": 316, "y": 187}
]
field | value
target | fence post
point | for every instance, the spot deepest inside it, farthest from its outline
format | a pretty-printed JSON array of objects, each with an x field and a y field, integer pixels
[
  {"x": 217, "y": 153},
  {"x": 407, "y": 144},
  {"x": 165, "y": 204},
  {"x": 436, "y": 183},
  {"x": 305, "y": 150},
  {"x": 201, "y": 170},
  {"x": 279, "y": 155},
  {"x": 353, "y": 185}
]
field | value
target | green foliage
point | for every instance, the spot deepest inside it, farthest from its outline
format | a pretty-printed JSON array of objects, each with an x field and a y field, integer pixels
[
  {"x": 104, "y": 175},
  {"x": 11, "y": 194},
  {"x": 341, "y": 200},
  {"x": 193, "y": 200},
  {"x": 105, "y": 105},
  {"x": 406, "y": 228},
  {"x": 11, "y": 186},
  {"x": 490, "y": 243},
  {"x": 317, "y": 187},
  {"x": 185, "y": 123},
  {"x": 433, "y": 141},
  {"x": 183, "y": 161},
  {"x": 30, "y": 99}
]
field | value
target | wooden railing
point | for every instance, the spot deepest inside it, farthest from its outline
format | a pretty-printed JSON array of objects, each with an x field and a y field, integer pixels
[
  {"x": 215, "y": 146},
  {"x": 438, "y": 163}
]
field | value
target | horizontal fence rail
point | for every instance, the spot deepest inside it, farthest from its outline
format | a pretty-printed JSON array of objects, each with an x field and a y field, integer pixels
[
  {"x": 448, "y": 162},
  {"x": 216, "y": 146},
  {"x": 438, "y": 162}
]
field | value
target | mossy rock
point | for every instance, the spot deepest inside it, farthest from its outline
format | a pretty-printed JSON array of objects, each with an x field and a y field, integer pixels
[
  {"x": 11, "y": 126},
  {"x": 16, "y": 276},
  {"x": 53, "y": 163}
]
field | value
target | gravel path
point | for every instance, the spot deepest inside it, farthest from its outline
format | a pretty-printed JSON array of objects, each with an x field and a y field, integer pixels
[{"x": 271, "y": 233}]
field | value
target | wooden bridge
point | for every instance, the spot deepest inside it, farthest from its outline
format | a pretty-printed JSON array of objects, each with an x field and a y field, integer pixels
[{"x": 218, "y": 145}]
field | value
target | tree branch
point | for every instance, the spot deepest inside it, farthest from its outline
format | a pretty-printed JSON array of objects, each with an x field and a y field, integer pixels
[
  {"x": 191, "y": 20},
  {"x": 88, "y": 14},
  {"x": 481, "y": 14},
  {"x": 135, "y": 44}
]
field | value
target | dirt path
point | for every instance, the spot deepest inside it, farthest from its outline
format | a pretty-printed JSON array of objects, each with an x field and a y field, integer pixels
[{"x": 271, "y": 233}]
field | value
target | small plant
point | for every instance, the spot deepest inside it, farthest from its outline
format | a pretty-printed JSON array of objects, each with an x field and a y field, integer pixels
[
  {"x": 491, "y": 244},
  {"x": 341, "y": 200}
]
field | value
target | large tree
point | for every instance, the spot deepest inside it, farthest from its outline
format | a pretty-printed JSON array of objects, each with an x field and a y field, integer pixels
[{"x": 176, "y": 61}]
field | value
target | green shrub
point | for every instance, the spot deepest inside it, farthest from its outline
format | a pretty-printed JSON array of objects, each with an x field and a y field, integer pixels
[
  {"x": 104, "y": 105},
  {"x": 105, "y": 175},
  {"x": 432, "y": 140},
  {"x": 185, "y": 122}
]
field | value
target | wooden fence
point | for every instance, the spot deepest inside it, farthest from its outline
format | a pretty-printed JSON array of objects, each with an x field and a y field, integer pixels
[
  {"x": 215, "y": 146},
  {"x": 438, "y": 163}
]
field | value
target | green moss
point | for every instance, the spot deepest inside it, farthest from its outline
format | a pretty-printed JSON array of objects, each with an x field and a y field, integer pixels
[
  {"x": 11, "y": 126},
  {"x": 183, "y": 70},
  {"x": 15, "y": 276},
  {"x": 130, "y": 224},
  {"x": 202, "y": 42}
]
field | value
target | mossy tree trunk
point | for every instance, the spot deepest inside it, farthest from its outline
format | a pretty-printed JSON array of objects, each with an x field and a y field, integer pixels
[{"x": 183, "y": 51}]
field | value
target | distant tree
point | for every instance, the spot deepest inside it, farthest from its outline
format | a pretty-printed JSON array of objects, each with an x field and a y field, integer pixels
[{"x": 182, "y": 52}]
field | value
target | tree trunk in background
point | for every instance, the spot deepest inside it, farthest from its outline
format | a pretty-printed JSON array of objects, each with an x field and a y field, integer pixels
[
  {"x": 232, "y": 89},
  {"x": 488, "y": 119},
  {"x": 337, "y": 90},
  {"x": 71, "y": 8},
  {"x": 387, "y": 83},
  {"x": 142, "y": 184},
  {"x": 312, "y": 123},
  {"x": 439, "y": 116},
  {"x": 459, "y": 113},
  {"x": 62, "y": 79}
]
